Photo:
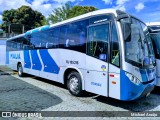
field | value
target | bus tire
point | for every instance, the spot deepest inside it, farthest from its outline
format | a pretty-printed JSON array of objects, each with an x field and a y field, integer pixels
[
  {"x": 20, "y": 70},
  {"x": 74, "y": 84}
]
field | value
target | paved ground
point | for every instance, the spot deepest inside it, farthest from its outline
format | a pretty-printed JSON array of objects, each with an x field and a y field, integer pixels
[
  {"x": 18, "y": 95},
  {"x": 36, "y": 94}
]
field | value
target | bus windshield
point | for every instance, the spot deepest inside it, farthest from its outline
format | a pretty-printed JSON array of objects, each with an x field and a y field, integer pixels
[
  {"x": 156, "y": 41},
  {"x": 138, "y": 47}
]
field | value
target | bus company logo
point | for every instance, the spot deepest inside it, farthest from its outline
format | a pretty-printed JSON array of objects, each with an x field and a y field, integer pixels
[
  {"x": 15, "y": 56},
  {"x": 96, "y": 84},
  {"x": 103, "y": 67}
]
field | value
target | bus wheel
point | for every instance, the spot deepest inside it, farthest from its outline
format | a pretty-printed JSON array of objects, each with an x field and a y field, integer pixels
[
  {"x": 74, "y": 84},
  {"x": 20, "y": 70}
]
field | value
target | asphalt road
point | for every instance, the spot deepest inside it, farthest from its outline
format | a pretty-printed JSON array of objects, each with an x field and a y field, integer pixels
[
  {"x": 18, "y": 95},
  {"x": 32, "y": 93}
]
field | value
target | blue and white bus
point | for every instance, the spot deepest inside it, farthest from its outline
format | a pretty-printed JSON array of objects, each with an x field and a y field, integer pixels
[
  {"x": 154, "y": 29},
  {"x": 106, "y": 52}
]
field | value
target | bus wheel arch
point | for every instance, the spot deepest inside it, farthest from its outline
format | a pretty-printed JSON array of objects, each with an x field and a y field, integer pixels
[
  {"x": 73, "y": 77},
  {"x": 20, "y": 69}
]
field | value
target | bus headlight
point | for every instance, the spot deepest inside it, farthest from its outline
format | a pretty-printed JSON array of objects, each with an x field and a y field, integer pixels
[{"x": 133, "y": 79}]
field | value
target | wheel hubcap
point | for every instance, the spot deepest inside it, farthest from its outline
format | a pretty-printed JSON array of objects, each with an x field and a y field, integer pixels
[{"x": 74, "y": 85}]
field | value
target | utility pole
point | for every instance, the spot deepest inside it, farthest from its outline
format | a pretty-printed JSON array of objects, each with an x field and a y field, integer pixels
[
  {"x": 22, "y": 28},
  {"x": 9, "y": 28}
]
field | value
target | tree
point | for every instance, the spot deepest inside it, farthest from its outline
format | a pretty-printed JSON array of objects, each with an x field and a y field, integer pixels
[
  {"x": 45, "y": 21},
  {"x": 67, "y": 11},
  {"x": 79, "y": 10},
  {"x": 7, "y": 17},
  {"x": 60, "y": 14},
  {"x": 24, "y": 16}
]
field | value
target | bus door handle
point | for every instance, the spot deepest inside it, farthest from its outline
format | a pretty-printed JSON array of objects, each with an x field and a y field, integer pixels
[{"x": 87, "y": 71}]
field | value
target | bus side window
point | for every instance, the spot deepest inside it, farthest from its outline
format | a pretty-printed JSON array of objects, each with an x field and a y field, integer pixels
[
  {"x": 115, "y": 55},
  {"x": 35, "y": 41},
  {"x": 42, "y": 42},
  {"x": 26, "y": 42},
  {"x": 55, "y": 37},
  {"x": 20, "y": 43},
  {"x": 97, "y": 45},
  {"x": 63, "y": 36}
]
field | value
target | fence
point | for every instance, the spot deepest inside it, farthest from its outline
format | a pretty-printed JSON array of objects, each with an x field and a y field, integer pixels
[{"x": 7, "y": 35}]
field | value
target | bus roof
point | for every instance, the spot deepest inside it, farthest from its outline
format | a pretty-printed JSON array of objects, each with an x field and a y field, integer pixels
[
  {"x": 16, "y": 36},
  {"x": 97, "y": 12},
  {"x": 45, "y": 27}
]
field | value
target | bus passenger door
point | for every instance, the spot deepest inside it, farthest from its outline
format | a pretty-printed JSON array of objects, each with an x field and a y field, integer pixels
[
  {"x": 114, "y": 65},
  {"x": 96, "y": 80}
]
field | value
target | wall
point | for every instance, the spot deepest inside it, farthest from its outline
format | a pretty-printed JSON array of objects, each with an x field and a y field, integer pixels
[{"x": 2, "y": 52}]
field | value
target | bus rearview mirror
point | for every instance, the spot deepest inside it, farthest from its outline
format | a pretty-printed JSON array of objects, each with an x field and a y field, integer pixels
[{"x": 127, "y": 31}]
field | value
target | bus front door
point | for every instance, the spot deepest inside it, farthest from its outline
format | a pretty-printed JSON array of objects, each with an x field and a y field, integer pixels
[{"x": 96, "y": 80}]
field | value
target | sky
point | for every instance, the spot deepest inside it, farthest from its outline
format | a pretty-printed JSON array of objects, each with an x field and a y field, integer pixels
[{"x": 146, "y": 10}]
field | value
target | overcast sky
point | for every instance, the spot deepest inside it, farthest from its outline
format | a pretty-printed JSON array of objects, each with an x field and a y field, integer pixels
[{"x": 146, "y": 10}]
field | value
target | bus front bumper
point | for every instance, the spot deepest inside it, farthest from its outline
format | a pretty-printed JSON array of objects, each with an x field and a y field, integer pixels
[
  {"x": 130, "y": 91},
  {"x": 147, "y": 90}
]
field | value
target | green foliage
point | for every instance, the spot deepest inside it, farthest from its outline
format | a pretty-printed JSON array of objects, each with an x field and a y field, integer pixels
[
  {"x": 32, "y": 19},
  {"x": 60, "y": 14},
  {"x": 67, "y": 11},
  {"x": 23, "y": 15},
  {"x": 79, "y": 10},
  {"x": 45, "y": 21}
]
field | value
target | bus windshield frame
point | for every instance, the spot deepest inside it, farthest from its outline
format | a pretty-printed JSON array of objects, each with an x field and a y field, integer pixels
[
  {"x": 138, "y": 46},
  {"x": 155, "y": 36}
]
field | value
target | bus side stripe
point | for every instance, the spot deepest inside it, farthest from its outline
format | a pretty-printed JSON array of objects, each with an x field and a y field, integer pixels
[
  {"x": 27, "y": 61},
  {"x": 36, "y": 64},
  {"x": 49, "y": 64}
]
